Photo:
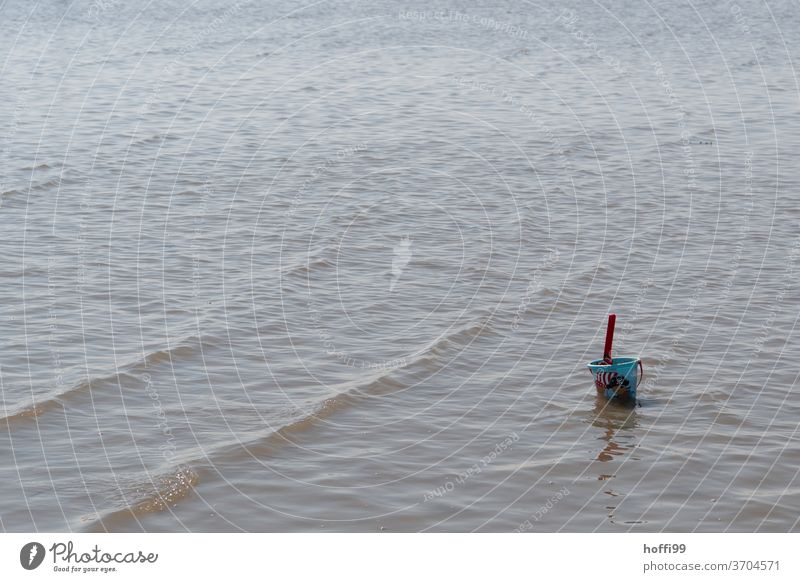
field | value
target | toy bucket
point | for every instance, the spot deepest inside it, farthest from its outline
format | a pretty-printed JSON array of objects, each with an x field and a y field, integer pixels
[{"x": 617, "y": 380}]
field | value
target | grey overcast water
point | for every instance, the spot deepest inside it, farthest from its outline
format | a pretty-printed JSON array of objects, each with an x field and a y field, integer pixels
[{"x": 340, "y": 266}]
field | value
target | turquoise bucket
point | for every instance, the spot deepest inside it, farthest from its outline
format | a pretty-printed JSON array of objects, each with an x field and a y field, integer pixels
[{"x": 617, "y": 380}]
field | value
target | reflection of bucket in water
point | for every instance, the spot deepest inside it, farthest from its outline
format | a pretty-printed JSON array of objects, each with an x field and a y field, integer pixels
[
  {"x": 619, "y": 424},
  {"x": 617, "y": 380}
]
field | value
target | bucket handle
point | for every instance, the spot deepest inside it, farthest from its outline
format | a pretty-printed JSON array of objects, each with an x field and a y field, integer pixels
[{"x": 641, "y": 369}]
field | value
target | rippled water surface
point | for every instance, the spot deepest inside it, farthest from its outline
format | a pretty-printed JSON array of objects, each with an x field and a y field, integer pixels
[{"x": 340, "y": 266}]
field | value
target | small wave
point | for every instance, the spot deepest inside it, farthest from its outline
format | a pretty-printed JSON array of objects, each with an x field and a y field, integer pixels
[
  {"x": 469, "y": 331},
  {"x": 182, "y": 350},
  {"x": 38, "y": 167},
  {"x": 39, "y": 187},
  {"x": 486, "y": 272},
  {"x": 522, "y": 52},
  {"x": 316, "y": 259},
  {"x": 55, "y": 401},
  {"x": 157, "y": 138},
  {"x": 309, "y": 267},
  {"x": 347, "y": 393},
  {"x": 46, "y": 185},
  {"x": 143, "y": 496},
  {"x": 267, "y": 442},
  {"x": 164, "y": 491},
  {"x": 264, "y": 443}
]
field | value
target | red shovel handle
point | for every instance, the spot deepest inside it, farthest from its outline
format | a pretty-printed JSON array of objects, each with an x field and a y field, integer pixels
[{"x": 612, "y": 320}]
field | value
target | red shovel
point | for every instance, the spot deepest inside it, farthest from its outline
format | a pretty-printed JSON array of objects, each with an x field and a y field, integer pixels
[{"x": 612, "y": 320}]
